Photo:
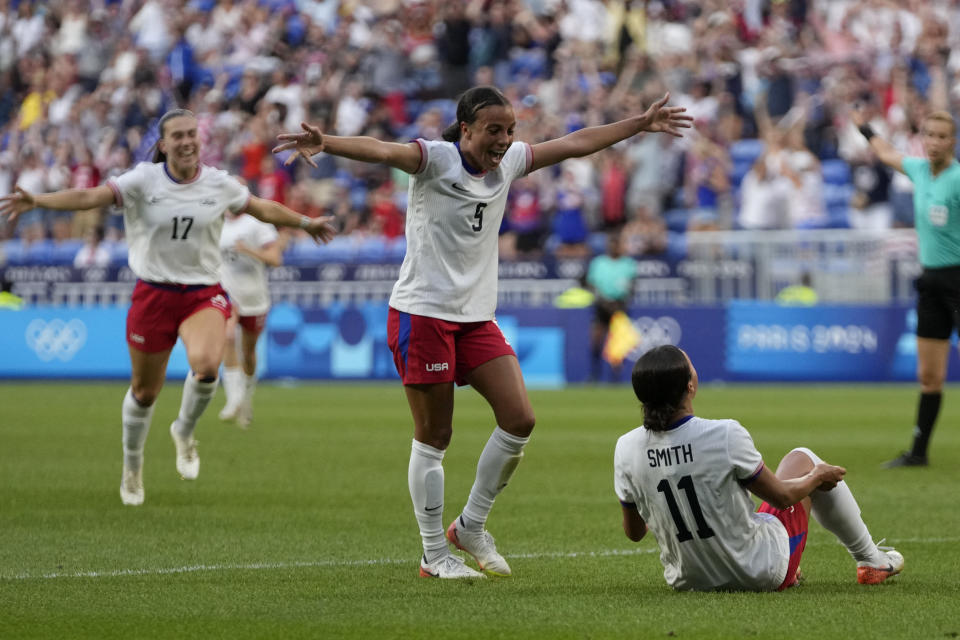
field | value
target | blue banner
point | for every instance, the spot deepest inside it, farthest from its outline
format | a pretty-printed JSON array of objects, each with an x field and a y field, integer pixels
[{"x": 743, "y": 341}]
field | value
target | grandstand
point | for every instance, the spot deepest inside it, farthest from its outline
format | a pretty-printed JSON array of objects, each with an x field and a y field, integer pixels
[{"x": 769, "y": 85}]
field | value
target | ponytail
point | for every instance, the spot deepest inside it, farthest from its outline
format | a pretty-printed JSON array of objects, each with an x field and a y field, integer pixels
[{"x": 660, "y": 378}]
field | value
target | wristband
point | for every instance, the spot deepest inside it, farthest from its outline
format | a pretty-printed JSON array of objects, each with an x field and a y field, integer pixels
[
  {"x": 867, "y": 131},
  {"x": 304, "y": 222}
]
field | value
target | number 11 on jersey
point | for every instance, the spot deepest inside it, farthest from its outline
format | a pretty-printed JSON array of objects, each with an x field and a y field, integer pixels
[{"x": 683, "y": 533}]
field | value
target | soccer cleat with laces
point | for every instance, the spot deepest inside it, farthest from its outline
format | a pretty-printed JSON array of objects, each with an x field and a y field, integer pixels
[
  {"x": 906, "y": 459},
  {"x": 480, "y": 545},
  {"x": 131, "y": 486},
  {"x": 449, "y": 566},
  {"x": 868, "y": 573},
  {"x": 188, "y": 462}
]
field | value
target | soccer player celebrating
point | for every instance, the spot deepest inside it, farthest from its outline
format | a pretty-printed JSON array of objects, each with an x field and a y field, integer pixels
[
  {"x": 936, "y": 205},
  {"x": 687, "y": 478},
  {"x": 441, "y": 325},
  {"x": 173, "y": 212}
]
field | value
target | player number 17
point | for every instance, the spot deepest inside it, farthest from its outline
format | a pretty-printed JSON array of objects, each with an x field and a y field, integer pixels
[
  {"x": 683, "y": 533},
  {"x": 181, "y": 227}
]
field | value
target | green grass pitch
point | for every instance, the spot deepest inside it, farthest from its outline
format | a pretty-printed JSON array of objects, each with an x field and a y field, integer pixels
[{"x": 301, "y": 527}]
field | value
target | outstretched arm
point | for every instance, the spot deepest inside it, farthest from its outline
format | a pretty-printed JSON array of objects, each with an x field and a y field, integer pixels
[
  {"x": 275, "y": 213},
  {"x": 884, "y": 151},
  {"x": 783, "y": 494},
  {"x": 311, "y": 141},
  {"x": 658, "y": 118},
  {"x": 21, "y": 200}
]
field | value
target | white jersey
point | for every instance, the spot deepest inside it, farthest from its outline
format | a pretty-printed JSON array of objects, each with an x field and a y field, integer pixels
[
  {"x": 243, "y": 276},
  {"x": 453, "y": 222},
  {"x": 687, "y": 484},
  {"x": 173, "y": 228}
]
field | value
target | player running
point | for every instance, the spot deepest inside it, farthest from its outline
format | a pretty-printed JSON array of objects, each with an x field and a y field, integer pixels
[{"x": 173, "y": 212}]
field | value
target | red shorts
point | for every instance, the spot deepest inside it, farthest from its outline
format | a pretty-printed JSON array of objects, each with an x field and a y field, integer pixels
[
  {"x": 157, "y": 311},
  {"x": 796, "y": 523},
  {"x": 253, "y": 324},
  {"x": 429, "y": 351}
]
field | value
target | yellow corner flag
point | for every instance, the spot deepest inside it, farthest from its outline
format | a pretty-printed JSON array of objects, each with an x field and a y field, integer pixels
[{"x": 622, "y": 338}]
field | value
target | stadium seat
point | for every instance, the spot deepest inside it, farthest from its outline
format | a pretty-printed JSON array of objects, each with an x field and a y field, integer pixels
[
  {"x": 14, "y": 252},
  {"x": 597, "y": 242},
  {"x": 372, "y": 249},
  {"x": 676, "y": 246},
  {"x": 64, "y": 252},
  {"x": 677, "y": 219},
  {"x": 835, "y": 172},
  {"x": 746, "y": 150}
]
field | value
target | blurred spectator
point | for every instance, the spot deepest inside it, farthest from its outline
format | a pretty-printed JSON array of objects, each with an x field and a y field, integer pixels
[
  {"x": 93, "y": 253},
  {"x": 97, "y": 75}
]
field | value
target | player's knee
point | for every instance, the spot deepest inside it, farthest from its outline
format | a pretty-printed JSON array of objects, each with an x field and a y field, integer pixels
[
  {"x": 521, "y": 425},
  {"x": 144, "y": 396},
  {"x": 206, "y": 370},
  {"x": 930, "y": 381}
]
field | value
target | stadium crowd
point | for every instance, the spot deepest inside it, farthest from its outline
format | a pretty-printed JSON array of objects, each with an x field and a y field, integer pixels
[{"x": 770, "y": 83}]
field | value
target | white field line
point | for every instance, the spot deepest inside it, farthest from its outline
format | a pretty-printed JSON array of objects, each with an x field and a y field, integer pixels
[{"x": 260, "y": 566}]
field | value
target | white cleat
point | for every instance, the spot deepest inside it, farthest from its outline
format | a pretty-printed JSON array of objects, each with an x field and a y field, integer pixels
[
  {"x": 244, "y": 415},
  {"x": 188, "y": 462},
  {"x": 229, "y": 412},
  {"x": 131, "y": 487},
  {"x": 449, "y": 566},
  {"x": 480, "y": 545}
]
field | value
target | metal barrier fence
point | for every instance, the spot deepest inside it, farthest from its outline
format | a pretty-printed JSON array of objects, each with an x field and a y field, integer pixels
[{"x": 844, "y": 266}]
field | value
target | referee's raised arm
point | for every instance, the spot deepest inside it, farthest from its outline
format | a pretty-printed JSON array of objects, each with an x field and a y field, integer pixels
[{"x": 885, "y": 151}]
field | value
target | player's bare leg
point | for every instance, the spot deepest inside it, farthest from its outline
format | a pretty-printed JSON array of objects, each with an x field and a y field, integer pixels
[
  {"x": 203, "y": 336},
  {"x": 148, "y": 372},
  {"x": 500, "y": 382}
]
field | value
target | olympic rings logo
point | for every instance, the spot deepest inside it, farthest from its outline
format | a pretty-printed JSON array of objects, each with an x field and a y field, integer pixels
[
  {"x": 654, "y": 332},
  {"x": 56, "y": 339}
]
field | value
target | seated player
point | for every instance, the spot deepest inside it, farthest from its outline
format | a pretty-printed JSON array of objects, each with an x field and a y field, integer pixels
[{"x": 689, "y": 479}]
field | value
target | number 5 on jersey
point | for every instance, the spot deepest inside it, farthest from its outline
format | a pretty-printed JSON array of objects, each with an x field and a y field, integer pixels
[{"x": 478, "y": 216}]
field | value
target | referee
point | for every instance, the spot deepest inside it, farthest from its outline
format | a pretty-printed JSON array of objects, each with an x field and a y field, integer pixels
[{"x": 936, "y": 203}]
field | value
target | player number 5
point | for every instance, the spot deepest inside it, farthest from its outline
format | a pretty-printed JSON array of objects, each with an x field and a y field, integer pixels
[{"x": 478, "y": 216}]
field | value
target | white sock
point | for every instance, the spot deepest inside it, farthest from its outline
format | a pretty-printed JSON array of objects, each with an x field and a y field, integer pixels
[
  {"x": 136, "y": 426},
  {"x": 425, "y": 480},
  {"x": 196, "y": 397},
  {"x": 496, "y": 465},
  {"x": 249, "y": 386},
  {"x": 837, "y": 511},
  {"x": 233, "y": 384}
]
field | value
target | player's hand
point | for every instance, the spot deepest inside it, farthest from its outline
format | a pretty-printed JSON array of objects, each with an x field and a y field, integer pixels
[
  {"x": 828, "y": 475},
  {"x": 305, "y": 144},
  {"x": 321, "y": 229},
  {"x": 13, "y": 204},
  {"x": 660, "y": 118}
]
